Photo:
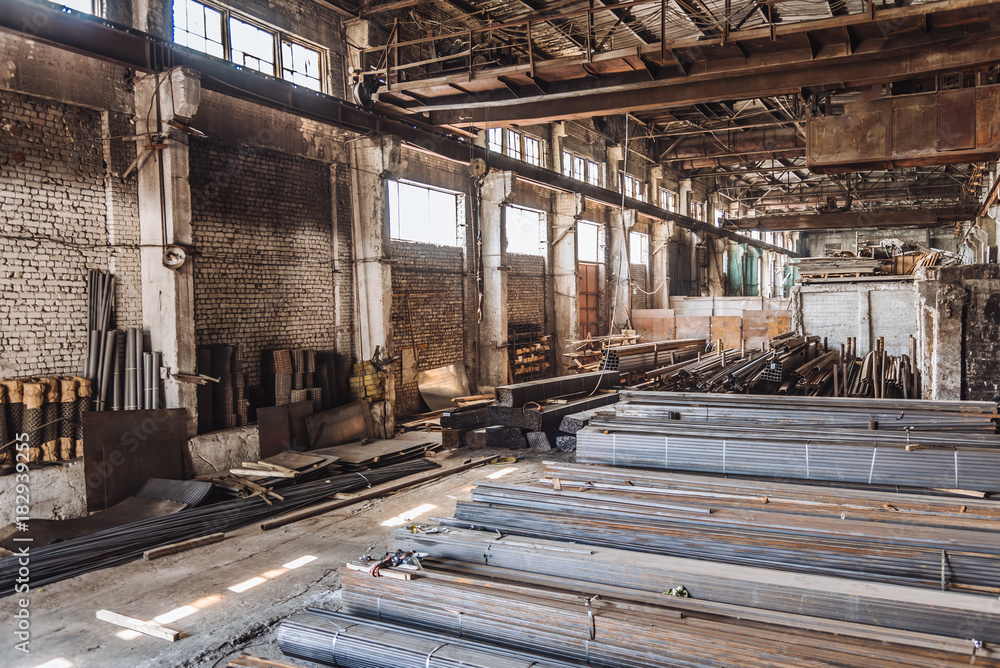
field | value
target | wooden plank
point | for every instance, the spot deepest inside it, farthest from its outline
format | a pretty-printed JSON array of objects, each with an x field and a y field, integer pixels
[
  {"x": 149, "y": 628},
  {"x": 183, "y": 546},
  {"x": 251, "y": 661},
  {"x": 257, "y": 473},
  {"x": 294, "y": 460}
]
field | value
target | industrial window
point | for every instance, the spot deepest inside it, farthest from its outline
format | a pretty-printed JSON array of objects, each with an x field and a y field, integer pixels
[
  {"x": 697, "y": 210},
  {"x": 532, "y": 151},
  {"x": 427, "y": 215},
  {"x": 495, "y": 142},
  {"x": 589, "y": 242},
  {"x": 515, "y": 144},
  {"x": 580, "y": 168},
  {"x": 593, "y": 173},
  {"x": 632, "y": 187},
  {"x": 638, "y": 248},
  {"x": 198, "y": 26},
  {"x": 300, "y": 64},
  {"x": 668, "y": 200},
  {"x": 86, "y": 6},
  {"x": 217, "y": 31},
  {"x": 251, "y": 46},
  {"x": 525, "y": 230}
]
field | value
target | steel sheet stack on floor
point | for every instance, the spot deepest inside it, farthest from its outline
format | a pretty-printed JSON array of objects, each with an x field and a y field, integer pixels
[
  {"x": 614, "y": 626},
  {"x": 347, "y": 641}
]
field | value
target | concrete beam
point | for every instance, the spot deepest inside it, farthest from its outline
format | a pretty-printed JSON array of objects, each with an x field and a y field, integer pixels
[
  {"x": 165, "y": 219},
  {"x": 493, "y": 360},
  {"x": 569, "y": 207},
  {"x": 659, "y": 258}
]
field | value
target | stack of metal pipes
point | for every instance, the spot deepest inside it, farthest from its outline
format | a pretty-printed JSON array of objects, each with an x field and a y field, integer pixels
[
  {"x": 122, "y": 376},
  {"x": 643, "y": 356}
]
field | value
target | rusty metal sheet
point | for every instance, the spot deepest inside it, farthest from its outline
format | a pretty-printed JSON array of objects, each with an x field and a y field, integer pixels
[
  {"x": 755, "y": 328},
  {"x": 693, "y": 327},
  {"x": 957, "y": 119},
  {"x": 124, "y": 449},
  {"x": 439, "y": 386},
  {"x": 729, "y": 328},
  {"x": 343, "y": 424},
  {"x": 914, "y": 120},
  {"x": 654, "y": 324},
  {"x": 988, "y": 117},
  {"x": 778, "y": 322}
]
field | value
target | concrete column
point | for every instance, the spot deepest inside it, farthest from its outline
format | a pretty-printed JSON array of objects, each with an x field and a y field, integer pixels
[
  {"x": 164, "y": 221},
  {"x": 659, "y": 258},
  {"x": 619, "y": 287},
  {"x": 497, "y": 189},
  {"x": 716, "y": 270},
  {"x": 372, "y": 161},
  {"x": 569, "y": 207},
  {"x": 684, "y": 197},
  {"x": 941, "y": 333}
]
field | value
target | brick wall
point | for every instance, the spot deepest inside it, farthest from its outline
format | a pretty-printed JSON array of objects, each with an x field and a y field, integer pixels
[
  {"x": 262, "y": 222},
  {"x": 526, "y": 290},
  {"x": 639, "y": 297},
  {"x": 427, "y": 312},
  {"x": 55, "y": 224}
]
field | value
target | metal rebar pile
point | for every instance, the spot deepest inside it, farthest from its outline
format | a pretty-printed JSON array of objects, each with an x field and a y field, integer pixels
[
  {"x": 119, "y": 545},
  {"x": 335, "y": 639}
]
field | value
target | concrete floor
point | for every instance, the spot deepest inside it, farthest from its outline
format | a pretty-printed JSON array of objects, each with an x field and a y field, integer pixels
[{"x": 190, "y": 592}]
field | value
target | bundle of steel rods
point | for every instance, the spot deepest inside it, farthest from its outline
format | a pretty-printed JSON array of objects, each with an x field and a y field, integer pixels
[
  {"x": 612, "y": 626},
  {"x": 335, "y": 639},
  {"x": 944, "y": 613},
  {"x": 916, "y": 555},
  {"x": 643, "y": 356},
  {"x": 111, "y": 547},
  {"x": 850, "y": 413}
]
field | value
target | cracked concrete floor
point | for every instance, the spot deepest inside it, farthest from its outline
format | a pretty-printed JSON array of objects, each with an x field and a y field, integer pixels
[{"x": 275, "y": 574}]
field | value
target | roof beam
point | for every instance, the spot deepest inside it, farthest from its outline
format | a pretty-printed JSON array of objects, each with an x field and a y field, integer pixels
[{"x": 845, "y": 220}]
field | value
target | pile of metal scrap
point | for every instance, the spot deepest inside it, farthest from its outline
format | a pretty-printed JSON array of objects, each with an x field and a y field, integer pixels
[
  {"x": 652, "y": 355},
  {"x": 824, "y": 267},
  {"x": 793, "y": 364},
  {"x": 121, "y": 544}
]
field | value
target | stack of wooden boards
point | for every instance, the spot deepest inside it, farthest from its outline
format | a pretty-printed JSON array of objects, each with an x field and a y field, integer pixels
[
  {"x": 826, "y": 267},
  {"x": 630, "y": 568}
]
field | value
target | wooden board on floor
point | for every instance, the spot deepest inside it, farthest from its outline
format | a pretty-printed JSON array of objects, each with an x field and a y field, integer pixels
[{"x": 375, "y": 451}]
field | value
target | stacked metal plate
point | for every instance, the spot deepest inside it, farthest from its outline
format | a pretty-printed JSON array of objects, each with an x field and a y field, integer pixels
[{"x": 334, "y": 639}]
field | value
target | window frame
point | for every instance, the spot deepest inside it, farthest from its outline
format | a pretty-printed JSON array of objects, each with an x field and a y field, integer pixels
[
  {"x": 277, "y": 38},
  {"x": 542, "y": 240},
  {"x": 97, "y": 8},
  {"x": 644, "y": 248},
  {"x": 627, "y": 182},
  {"x": 671, "y": 200},
  {"x": 519, "y": 152},
  {"x": 459, "y": 223}
]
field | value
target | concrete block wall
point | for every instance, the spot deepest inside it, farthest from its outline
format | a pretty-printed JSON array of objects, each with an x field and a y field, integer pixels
[
  {"x": 263, "y": 224},
  {"x": 64, "y": 209}
]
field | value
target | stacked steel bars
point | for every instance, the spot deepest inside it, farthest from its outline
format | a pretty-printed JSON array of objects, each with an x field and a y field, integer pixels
[
  {"x": 905, "y": 553},
  {"x": 751, "y": 588},
  {"x": 335, "y": 639},
  {"x": 612, "y": 626},
  {"x": 644, "y": 356}
]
